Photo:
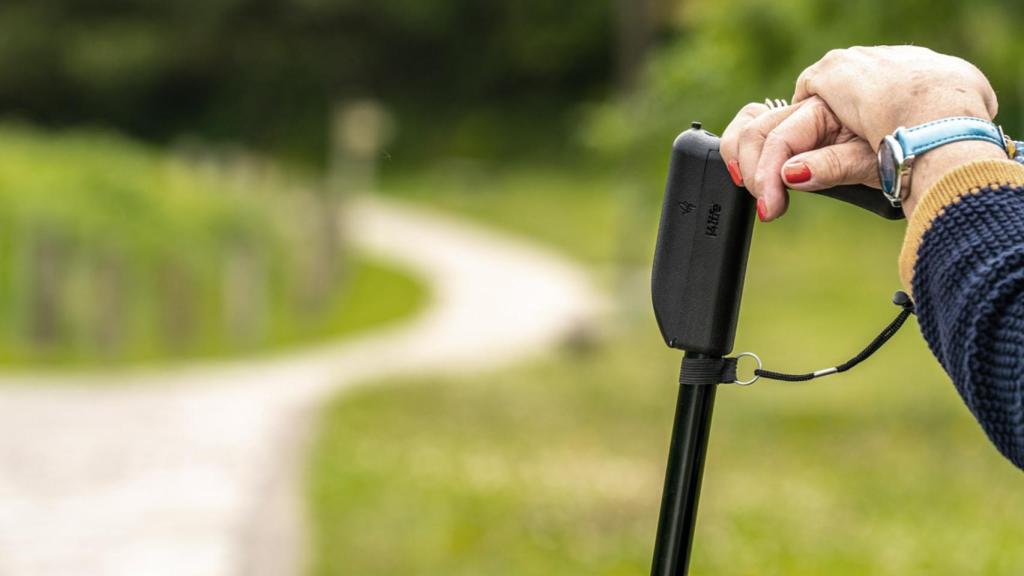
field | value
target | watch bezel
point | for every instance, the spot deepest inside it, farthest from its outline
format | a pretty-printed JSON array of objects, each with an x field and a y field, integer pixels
[{"x": 891, "y": 145}]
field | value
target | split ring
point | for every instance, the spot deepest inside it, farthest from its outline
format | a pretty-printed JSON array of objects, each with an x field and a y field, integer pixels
[{"x": 755, "y": 377}]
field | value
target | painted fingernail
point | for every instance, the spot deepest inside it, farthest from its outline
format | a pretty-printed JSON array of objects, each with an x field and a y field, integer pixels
[
  {"x": 796, "y": 172},
  {"x": 734, "y": 172},
  {"x": 762, "y": 210}
]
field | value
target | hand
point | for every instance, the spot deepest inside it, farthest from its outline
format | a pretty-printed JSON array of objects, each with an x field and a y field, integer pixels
[
  {"x": 875, "y": 90},
  {"x": 804, "y": 146},
  {"x": 843, "y": 105}
]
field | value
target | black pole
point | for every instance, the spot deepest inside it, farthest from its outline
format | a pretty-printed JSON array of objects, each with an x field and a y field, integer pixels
[
  {"x": 686, "y": 455},
  {"x": 696, "y": 286}
]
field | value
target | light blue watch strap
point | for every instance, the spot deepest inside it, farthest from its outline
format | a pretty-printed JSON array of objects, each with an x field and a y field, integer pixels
[{"x": 922, "y": 138}]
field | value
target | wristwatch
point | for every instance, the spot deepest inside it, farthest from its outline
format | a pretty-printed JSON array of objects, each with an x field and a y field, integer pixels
[{"x": 897, "y": 151}]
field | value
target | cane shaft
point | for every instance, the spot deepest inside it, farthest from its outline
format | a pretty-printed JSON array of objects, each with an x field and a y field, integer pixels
[{"x": 687, "y": 452}]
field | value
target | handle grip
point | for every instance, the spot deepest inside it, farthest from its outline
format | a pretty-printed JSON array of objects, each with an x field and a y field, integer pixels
[
  {"x": 703, "y": 242},
  {"x": 866, "y": 197}
]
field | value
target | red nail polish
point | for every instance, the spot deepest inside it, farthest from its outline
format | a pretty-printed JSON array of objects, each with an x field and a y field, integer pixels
[
  {"x": 761, "y": 209},
  {"x": 734, "y": 172},
  {"x": 796, "y": 173}
]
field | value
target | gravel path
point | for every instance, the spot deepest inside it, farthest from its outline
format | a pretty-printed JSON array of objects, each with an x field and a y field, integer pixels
[{"x": 195, "y": 470}]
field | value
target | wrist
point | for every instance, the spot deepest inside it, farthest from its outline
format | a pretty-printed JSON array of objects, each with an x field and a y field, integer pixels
[
  {"x": 931, "y": 114},
  {"x": 930, "y": 166},
  {"x": 946, "y": 99}
]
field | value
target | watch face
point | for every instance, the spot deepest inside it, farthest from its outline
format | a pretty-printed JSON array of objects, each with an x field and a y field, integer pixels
[{"x": 888, "y": 165}]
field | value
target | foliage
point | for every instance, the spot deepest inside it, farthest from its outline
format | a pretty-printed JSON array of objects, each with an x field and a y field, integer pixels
[
  {"x": 110, "y": 251},
  {"x": 268, "y": 71},
  {"x": 725, "y": 53}
]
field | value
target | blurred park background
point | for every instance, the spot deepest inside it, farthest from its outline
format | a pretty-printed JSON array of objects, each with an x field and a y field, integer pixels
[{"x": 170, "y": 177}]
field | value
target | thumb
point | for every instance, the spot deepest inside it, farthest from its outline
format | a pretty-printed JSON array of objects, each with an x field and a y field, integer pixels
[{"x": 852, "y": 162}]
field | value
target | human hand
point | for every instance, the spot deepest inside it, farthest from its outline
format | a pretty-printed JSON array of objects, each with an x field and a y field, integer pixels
[{"x": 843, "y": 105}]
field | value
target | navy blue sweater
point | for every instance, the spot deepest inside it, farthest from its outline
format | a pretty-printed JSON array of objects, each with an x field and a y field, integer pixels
[{"x": 964, "y": 262}]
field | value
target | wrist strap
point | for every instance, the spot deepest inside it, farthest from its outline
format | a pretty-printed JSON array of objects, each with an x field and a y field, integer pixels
[
  {"x": 925, "y": 137},
  {"x": 705, "y": 371}
]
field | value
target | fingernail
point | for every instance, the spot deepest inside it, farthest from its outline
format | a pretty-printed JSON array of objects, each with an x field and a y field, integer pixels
[
  {"x": 762, "y": 210},
  {"x": 796, "y": 172},
  {"x": 734, "y": 172}
]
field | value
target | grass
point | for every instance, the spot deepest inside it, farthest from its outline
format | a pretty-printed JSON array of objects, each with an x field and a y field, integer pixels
[
  {"x": 374, "y": 295},
  {"x": 377, "y": 293},
  {"x": 556, "y": 467},
  {"x": 573, "y": 211}
]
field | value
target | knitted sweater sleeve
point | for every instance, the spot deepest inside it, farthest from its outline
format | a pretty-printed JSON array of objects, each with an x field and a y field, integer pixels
[{"x": 963, "y": 262}]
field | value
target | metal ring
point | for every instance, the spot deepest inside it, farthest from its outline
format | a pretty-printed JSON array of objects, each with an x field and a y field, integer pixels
[
  {"x": 776, "y": 103},
  {"x": 755, "y": 378}
]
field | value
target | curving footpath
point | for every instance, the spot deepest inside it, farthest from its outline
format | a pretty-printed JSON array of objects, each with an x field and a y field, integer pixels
[{"x": 195, "y": 470}]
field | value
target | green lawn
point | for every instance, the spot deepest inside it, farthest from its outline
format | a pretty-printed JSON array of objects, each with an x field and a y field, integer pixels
[
  {"x": 574, "y": 211},
  {"x": 556, "y": 467},
  {"x": 375, "y": 294}
]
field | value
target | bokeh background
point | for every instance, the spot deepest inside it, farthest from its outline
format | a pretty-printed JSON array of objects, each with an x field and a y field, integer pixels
[{"x": 170, "y": 176}]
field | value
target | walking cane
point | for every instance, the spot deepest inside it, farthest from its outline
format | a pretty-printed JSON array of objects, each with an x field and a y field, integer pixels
[{"x": 696, "y": 284}]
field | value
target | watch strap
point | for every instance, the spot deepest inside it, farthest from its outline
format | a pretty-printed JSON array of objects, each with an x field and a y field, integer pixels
[{"x": 925, "y": 137}]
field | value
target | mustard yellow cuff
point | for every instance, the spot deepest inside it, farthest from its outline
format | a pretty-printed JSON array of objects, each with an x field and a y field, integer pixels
[{"x": 969, "y": 178}]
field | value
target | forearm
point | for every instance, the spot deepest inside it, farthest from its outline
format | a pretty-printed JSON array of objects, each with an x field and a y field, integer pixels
[
  {"x": 934, "y": 164},
  {"x": 963, "y": 261}
]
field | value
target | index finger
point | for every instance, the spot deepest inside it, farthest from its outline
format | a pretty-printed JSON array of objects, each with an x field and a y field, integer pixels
[
  {"x": 811, "y": 126},
  {"x": 729, "y": 144}
]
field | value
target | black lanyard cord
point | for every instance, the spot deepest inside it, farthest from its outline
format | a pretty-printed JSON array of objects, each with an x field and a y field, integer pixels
[{"x": 702, "y": 371}]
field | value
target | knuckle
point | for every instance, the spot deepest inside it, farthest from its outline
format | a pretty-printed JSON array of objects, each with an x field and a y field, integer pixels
[
  {"x": 825, "y": 122},
  {"x": 759, "y": 183},
  {"x": 976, "y": 72},
  {"x": 753, "y": 109},
  {"x": 751, "y": 132},
  {"x": 726, "y": 147},
  {"x": 977, "y": 79},
  {"x": 834, "y": 55},
  {"x": 775, "y": 140},
  {"x": 805, "y": 82},
  {"x": 834, "y": 166}
]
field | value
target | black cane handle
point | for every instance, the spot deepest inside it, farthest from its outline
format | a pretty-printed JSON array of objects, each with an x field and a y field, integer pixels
[
  {"x": 703, "y": 241},
  {"x": 866, "y": 197}
]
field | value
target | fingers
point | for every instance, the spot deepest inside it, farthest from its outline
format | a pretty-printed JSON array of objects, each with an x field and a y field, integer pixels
[
  {"x": 729, "y": 144},
  {"x": 811, "y": 125},
  {"x": 852, "y": 162},
  {"x": 752, "y": 138}
]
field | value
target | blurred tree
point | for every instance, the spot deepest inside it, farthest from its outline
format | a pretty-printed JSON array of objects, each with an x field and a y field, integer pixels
[
  {"x": 268, "y": 71},
  {"x": 113, "y": 251},
  {"x": 725, "y": 53},
  {"x": 635, "y": 19}
]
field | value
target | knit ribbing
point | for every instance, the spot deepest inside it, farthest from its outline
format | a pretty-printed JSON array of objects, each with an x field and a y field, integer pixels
[{"x": 966, "y": 179}]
